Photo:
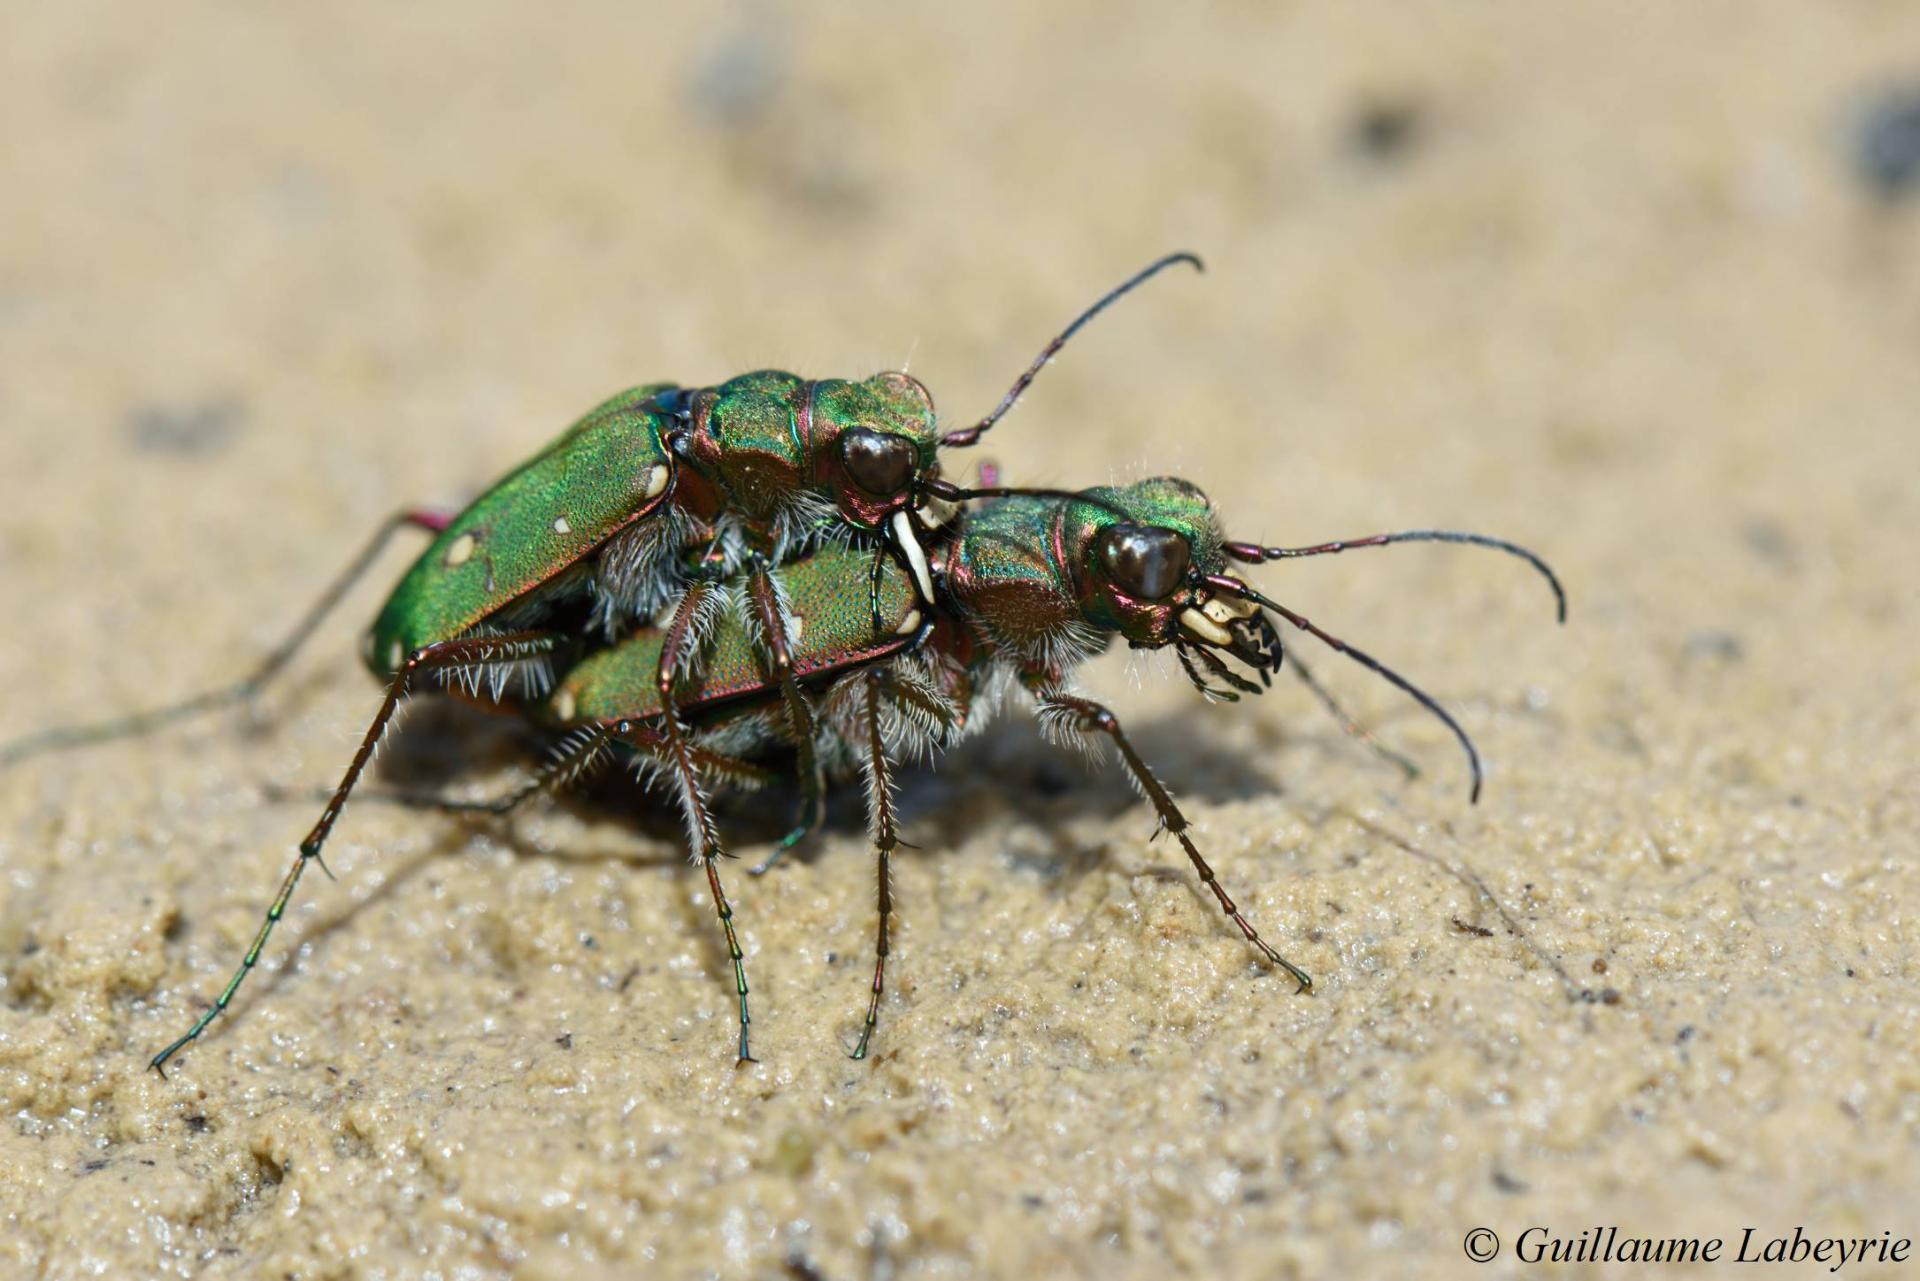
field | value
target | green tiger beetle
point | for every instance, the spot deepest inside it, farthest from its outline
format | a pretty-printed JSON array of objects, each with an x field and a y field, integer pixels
[
  {"x": 1026, "y": 589},
  {"x": 694, "y": 506}
]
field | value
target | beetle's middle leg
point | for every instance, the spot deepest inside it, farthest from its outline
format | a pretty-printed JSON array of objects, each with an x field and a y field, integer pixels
[
  {"x": 886, "y": 838},
  {"x": 1084, "y": 716},
  {"x": 681, "y": 644},
  {"x": 770, "y": 614}
]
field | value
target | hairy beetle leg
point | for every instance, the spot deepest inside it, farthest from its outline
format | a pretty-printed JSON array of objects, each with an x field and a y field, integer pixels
[
  {"x": 682, "y": 642},
  {"x": 886, "y": 838}
]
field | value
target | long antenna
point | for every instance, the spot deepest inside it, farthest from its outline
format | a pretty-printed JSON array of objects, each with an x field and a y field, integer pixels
[
  {"x": 1234, "y": 587},
  {"x": 959, "y": 493},
  {"x": 1254, "y": 554},
  {"x": 966, "y": 436}
]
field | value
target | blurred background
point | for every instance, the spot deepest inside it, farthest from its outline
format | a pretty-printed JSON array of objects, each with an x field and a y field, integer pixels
[{"x": 1638, "y": 286}]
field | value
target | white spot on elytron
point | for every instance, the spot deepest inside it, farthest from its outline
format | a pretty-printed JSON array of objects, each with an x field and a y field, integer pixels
[
  {"x": 1205, "y": 628},
  {"x": 657, "y": 480},
  {"x": 796, "y": 625},
  {"x": 560, "y": 525},
  {"x": 396, "y": 654},
  {"x": 916, "y": 559},
  {"x": 564, "y": 705},
  {"x": 460, "y": 550},
  {"x": 908, "y": 625}
]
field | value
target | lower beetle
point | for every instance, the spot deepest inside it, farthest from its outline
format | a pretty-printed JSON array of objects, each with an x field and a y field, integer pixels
[{"x": 1027, "y": 588}]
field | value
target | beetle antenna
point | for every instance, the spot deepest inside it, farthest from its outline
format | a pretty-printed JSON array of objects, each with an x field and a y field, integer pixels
[
  {"x": 1254, "y": 554},
  {"x": 957, "y": 494},
  {"x": 1234, "y": 587},
  {"x": 966, "y": 436}
]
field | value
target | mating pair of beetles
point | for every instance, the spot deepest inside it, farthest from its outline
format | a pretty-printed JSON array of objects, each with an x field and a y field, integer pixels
[{"x": 700, "y": 580}]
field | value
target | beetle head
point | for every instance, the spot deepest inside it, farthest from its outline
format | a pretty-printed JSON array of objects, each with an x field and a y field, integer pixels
[
  {"x": 1142, "y": 556},
  {"x": 874, "y": 445}
]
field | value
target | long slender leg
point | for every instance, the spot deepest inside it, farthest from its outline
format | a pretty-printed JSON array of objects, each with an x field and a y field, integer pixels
[
  {"x": 886, "y": 837},
  {"x": 68, "y": 737},
  {"x": 764, "y": 597},
  {"x": 506, "y": 647},
  {"x": 456, "y": 653},
  {"x": 679, "y": 647},
  {"x": 1088, "y": 716}
]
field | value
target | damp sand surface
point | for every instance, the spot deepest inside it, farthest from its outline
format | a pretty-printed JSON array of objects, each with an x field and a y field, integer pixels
[{"x": 1607, "y": 283}]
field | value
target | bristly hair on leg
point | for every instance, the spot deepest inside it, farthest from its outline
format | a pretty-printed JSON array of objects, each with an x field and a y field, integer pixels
[
  {"x": 749, "y": 617},
  {"x": 534, "y": 672},
  {"x": 718, "y": 602},
  {"x": 1060, "y": 726},
  {"x": 575, "y": 756},
  {"x": 928, "y": 719}
]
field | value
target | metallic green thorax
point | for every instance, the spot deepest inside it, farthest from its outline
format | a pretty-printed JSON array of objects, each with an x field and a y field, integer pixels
[
  {"x": 831, "y": 626},
  {"x": 532, "y": 526},
  {"x": 1024, "y": 568},
  {"x": 764, "y": 438}
]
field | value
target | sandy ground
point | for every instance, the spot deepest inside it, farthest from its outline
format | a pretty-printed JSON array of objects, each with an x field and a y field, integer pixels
[{"x": 1607, "y": 284}]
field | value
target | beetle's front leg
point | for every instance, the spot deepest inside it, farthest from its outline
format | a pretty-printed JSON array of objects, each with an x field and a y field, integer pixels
[{"x": 1070, "y": 713}]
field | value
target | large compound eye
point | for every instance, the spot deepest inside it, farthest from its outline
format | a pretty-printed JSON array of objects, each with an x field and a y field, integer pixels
[
  {"x": 879, "y": 463},
  {"x": 1146, "y": 561}
]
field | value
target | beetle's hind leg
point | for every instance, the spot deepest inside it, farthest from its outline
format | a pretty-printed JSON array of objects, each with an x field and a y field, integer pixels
[
  {"x": 247, "y": 688},
  {"x": 505, "y": 647},
  {"x": 1084, "y": 716},
  {"x": 813, "y": 812}
]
